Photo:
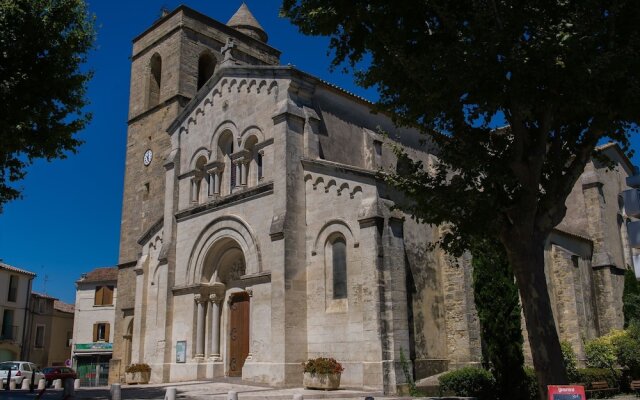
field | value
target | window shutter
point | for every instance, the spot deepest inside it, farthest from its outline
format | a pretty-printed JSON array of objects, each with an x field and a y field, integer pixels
[
  {"x": 106, "y": 332},
  {"x": 95, "y": 332},
  {"x": 107, "y": 297},
  {"x": 99, "y": 296}
]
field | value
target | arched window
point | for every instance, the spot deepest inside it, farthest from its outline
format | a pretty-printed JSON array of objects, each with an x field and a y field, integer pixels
[
  {"x": 252, "y": 174},
  {"x": 225, "y": 149},
  {"x": 339, "y": 261},
  {"x": 206, "y": 65},
  {"x": 155, "y": 79},
  {"x": 200, "y": 182}
]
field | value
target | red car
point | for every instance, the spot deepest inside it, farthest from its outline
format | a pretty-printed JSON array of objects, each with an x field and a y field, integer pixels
[{"x": 53, "y": 373}]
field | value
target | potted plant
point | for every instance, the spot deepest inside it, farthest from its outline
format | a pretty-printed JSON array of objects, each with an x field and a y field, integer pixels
[
  {"x": 137, "y": 373},
  {"x": 322, "y": 373}
]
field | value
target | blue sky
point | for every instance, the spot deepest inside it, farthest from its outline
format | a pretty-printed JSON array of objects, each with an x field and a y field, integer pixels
[{"x": 69, "y": 219}]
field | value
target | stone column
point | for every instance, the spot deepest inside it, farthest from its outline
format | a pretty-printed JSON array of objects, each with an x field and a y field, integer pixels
[
  {"x": 200, "y": 326},
  {"x": 250, "y": 355},
  {"x": 244, "y": 167},
  {"x": 237, "y": 164},
  {"x": 211, "y": 177},
  {"x": 215, "y": 326}
]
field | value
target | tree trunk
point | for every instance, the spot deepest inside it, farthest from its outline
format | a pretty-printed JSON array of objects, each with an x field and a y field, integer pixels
[{"x": 526, "y": 255}]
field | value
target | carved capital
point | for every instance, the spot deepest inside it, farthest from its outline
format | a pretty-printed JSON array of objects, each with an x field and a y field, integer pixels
[
  {"x": 215, "y": 298},
  {"x": 250, "y": 292},
  {"x": 198, "y": 298}
]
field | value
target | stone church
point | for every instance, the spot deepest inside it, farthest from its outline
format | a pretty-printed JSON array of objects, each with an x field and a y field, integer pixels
[{"x": 256, "y": 233}]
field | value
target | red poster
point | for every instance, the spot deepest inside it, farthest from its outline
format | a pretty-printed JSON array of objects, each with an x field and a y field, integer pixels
[{"x": 566, "y": 392}]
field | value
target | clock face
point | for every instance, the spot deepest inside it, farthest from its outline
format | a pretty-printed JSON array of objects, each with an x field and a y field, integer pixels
[{"x": 148, "y": 156}]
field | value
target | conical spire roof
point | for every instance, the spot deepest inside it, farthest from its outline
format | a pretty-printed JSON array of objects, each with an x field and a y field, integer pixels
[{"x": 246, "y": 23}]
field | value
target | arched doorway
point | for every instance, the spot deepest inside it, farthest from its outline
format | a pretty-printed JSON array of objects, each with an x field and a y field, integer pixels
[
  {"x": 227, "y": 324},
  {"x": 238, "y": 332}
]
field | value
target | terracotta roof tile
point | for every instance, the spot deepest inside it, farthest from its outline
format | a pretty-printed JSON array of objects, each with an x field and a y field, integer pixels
[
  {"x": 17, "y": 270},
  {"x": 44, "y": 296},
  {"x": 100, "y": 275},
  {"x": 64, "y": 307}
]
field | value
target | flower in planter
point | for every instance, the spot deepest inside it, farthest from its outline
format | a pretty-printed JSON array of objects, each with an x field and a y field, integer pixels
[
  {"x": 142, "y": 367},
  {"x": 322, "y": 365}
]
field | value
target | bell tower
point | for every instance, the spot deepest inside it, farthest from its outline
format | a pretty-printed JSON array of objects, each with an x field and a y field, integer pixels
[{"x": 170, "y": 62}]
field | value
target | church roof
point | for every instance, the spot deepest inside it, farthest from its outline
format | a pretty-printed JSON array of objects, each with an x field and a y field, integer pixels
[
  {"x": 246, "y": 23},
  {"x": 281, "y": 71}
]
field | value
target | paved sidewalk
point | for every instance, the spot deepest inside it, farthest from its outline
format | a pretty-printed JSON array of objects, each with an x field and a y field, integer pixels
[{"x": 200, "y": 391}]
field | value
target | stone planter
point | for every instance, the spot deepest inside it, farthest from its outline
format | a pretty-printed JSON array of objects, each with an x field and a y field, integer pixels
[
  {"x": 134, "y": 378},
  {"x": 321, "y": 381}
]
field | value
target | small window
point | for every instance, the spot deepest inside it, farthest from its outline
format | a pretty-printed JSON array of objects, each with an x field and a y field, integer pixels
[
  {"x": 9, "y": 331},
  {"x": 155, "y": 78},
  {"x": 101, "y": 332},
  {"x": 13, "y": 288},
  {"x": 259, "y": 162},
  {"x": 206, "y": 66},
  {"x": 69, "y": 339},
  {"x": 339, "y": 252},
  {"x": 39, "y": 337},
  {"x": 103, "y": 296}
]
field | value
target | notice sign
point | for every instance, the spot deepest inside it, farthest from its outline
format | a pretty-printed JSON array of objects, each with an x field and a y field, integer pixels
[
  {"x": 181, "y": 351},
  {"x": 566, "y": 392}
]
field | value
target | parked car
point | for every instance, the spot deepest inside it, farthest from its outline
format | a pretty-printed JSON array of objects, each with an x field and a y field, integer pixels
[
  {"x": 53, "y": 373},
  {"x": 20, "y": 370}
]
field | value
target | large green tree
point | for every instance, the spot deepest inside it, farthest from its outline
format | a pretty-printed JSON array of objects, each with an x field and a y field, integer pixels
[
  {"x": 43, "y": 44},
  {"x": 563, "y": 74}
]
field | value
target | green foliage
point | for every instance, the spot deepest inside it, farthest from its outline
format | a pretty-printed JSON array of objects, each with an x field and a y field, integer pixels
[
  {"x": 497, "y": 303},
  {"x": 570, "y": 361},
  {"x": 631, "y": 298},
  {"x": 627, "y": 348},
  {"x": 142, "y": 367},
  {"x": 322, "y": 365},
  {"x": 600, "y": 353},
  {"x": 43, "y": 89},
  {"x": 590, "y": 375},
  {"x": 532, "y": 384},
  {"x": 469, "y": 382}
]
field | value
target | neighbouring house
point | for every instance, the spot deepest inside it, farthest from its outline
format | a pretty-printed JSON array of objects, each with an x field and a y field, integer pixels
[
  {"x": 96, "y": 294},
  {"x": 50, "y": 330},
  {"x": 15, "y": 292},
  {"x": 256, "y": 232}
]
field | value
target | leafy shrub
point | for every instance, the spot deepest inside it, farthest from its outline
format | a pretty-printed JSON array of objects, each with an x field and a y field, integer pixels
[
  {"x": 600, "y": 353},
  {"x": 469, "y": 382},
  {"x": 532, "y": 384},
  {"x": 627, "y": 348},
  {"x": 590, "y": 375},
  {"x": 570, "y": 360},
  {"x": 631, "y": 298},
  {"x": 322, "y": 365},
  {"x": 138, "y": 368}
]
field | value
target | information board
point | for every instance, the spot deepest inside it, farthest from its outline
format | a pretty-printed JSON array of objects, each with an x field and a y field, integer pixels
[
  {"x": 181, "y": 351},
  {"x": 566, "y": 392}
]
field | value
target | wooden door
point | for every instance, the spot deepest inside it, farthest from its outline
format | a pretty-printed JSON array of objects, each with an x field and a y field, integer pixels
[{"x": 238, "y": 332}]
